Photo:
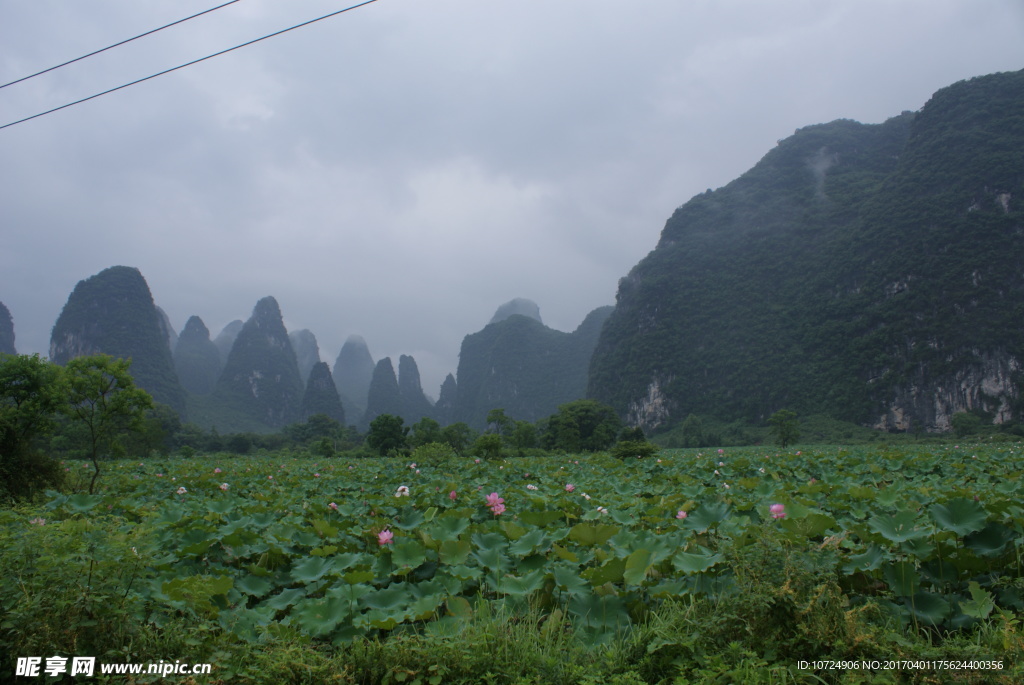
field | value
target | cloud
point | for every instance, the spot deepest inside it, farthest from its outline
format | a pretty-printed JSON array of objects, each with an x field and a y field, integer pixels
[{"x": 401, "y": 170}]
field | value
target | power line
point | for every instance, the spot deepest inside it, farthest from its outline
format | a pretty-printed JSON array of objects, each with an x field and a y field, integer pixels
[
  {"x": 186, "y": 64},
  {"x": 109, "y": 47}
]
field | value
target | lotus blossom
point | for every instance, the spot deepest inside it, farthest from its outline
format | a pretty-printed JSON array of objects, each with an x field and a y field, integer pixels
[
  {"x": 223, "y": 486},
  {"x": 182, "y": 490},
  {"x": 403, "y": 491},
  {"x": 316, "y": 475},
  {"x": 531, "y": 486},
  {"x": 602, "y": 510},
  {"x": 569, "y": 487},
  {"x": 217, "y": 470},
  {"x": 778, "y": 511},
  {"x": 385, "y": 537},
  {"x": 37, "y": 521},
  {"x": 333, "y": 506},
  {"x": 452, "y": 495},
  {"x": 680, "y": 514},
  {"x": 476, "y": 461},
  {"x": 496, "y": 503}
]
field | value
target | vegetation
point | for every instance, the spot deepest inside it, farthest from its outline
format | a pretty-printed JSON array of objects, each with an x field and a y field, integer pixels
[
  {"x": 644, "y": 571},
  {"x": 854, "y": 264}
]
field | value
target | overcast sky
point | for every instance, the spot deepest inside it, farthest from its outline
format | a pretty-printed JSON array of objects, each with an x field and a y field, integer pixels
[{"x": 401, "y": 170}]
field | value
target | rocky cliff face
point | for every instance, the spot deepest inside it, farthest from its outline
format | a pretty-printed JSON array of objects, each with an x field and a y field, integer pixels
[
  {"x": 307, "y": 351},
  {"x": 867, "y": 272},
  {"x": 383, "y": 397},
  {"x": 415, "y": 404},
  {"x": 197, "y": 359},
  {"x": 261, "y": 375},
  {"x": 321, "y": 395},
  {"x": 113, "y": 313},
  {"x": 353, "y": 371},
  {"x": 520, "y": 365},
  {"x": 444, "y": 410},
  {"x": 6, "y": 331}
]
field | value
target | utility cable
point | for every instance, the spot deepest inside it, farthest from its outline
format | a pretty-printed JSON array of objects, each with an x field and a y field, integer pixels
[
  {"x": 109, "y": 47},
  {"x": 187, "y": 64}
]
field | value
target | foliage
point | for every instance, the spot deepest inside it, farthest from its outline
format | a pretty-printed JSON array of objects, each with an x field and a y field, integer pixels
[
  {"x": 103, "y": 400},
  {"x": 582, "y": 425},
  {"x": 785, "y": 427},
  {"x": 113, "y": 313},
  {"x": 31, "y": 394},
  {"x": 965, "y": 423},
  {"x": 274, "y": 569},
  {"x": 854, "y": 265},
  {"x": 387, "y": 435}
]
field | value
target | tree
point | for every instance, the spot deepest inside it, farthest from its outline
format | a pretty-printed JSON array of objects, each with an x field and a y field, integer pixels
[
  {"x": 387, "y": 434},
  {"x": 964, "y": 424},
  {"x": 103, "y": 400},
  {"x": 582, "y": 425},
  {"x": 425, "y": 431},
  {"x": 785, "y": 427},
  {"x": 31, "y": 395},
  {"x": 459, "y": 436},
  {"x": 499, "y": 422},
  {"x": 488, "y": 446}
]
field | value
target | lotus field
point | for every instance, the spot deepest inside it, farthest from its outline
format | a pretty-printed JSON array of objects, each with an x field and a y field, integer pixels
[{"x": 335, "y": 550}]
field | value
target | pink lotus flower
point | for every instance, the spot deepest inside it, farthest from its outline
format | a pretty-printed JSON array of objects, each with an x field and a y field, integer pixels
[
  {"x": 778, "y": 511},
  {"x": 498, "y": 509},
  {"x": 37, "y": 521},
  {"x": 223, "y": 486},
  {"x": 217, "y": 470},
  {"x": 385, "y": 537},
  {"x": 680, "y": 514},
  {"x": 316, "y": 475},
  {"x": 452, "y": 495},
  {"x": 493, "y": 499},
  {"x": 476, "y": 461},
  {"x": 270, "y": 478},
  {"x": 333, "y": 506},
  {"x": 182, "y": 490},
  {"x": 569, "y": 487}
]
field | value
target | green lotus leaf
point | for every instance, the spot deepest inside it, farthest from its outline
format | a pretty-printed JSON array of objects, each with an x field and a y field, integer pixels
[
  {"x": 568, "y": 580},
  {"x": 463, "y": 572},
  {"x": 454, "y": 552},
  {"x": 961, "y": 516},
  {"x": 706, "y": 516},
  {"x": 493, "y": 559},
  {"x": 902, "y": 577},
  {"x": 489, "y": 541},
  {"x": 607, "y": 614},
  {"x": 529, "y": 542},
  {"x": 285, "y": 599},
  {"x": 592, "y": 534},
  {"x": 541, "y": 518},
  {"x": 689, "y": 563},
  {"x": 991, "y": 540},
  {"x": 898, "y": 527},
  {"x": 391, "y": 598},
  {"x": 82, "y": 502},
  {"x": 610, "y": 572},
  {"x": 929, "y": 608},
  {"x": 520, "y": 586},
  {"x": 980, "y": 605},
  {"x": 220, "y": 506},
  {"x": 254, "y": 585},
  {"x": 447, "y": 528},
  {"x": 637, "y": 565},
  {"x": 869, "y": 560},
  {"x": 311, "y": 569},
  {"x": 318, "y": 617},
  {"x": 324, "y": 529},
  {"x": 811, "y": 526},
  {"x": 408, "y": 554}
]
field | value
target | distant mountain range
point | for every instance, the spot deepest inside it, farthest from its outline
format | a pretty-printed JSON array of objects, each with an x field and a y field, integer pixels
[{"x": 871, "y": 273}]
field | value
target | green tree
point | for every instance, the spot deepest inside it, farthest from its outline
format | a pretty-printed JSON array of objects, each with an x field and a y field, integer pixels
[
  {"x": 387, "y": 435},
  {"x": 582, "y": 425},
  {"x": 425, "y": 431},
  {"x": 488, "y": 446},
  {"x": 965, "y": 423},
  {"x": 524, "y": 436},
  {"x": 31, "y": 395},
  {"x": 784, "y": 427},
  {"x": 103, "y": 400},
  {"x": 499, "y": 422},
  {"x": 459, "y": 436}
]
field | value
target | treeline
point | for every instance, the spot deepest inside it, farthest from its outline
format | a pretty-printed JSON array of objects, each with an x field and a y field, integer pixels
[{"x": 91, "y": 409}]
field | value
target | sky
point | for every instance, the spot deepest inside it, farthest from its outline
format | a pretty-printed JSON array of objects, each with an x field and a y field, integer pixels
[{"x": 400, "y": 170}]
